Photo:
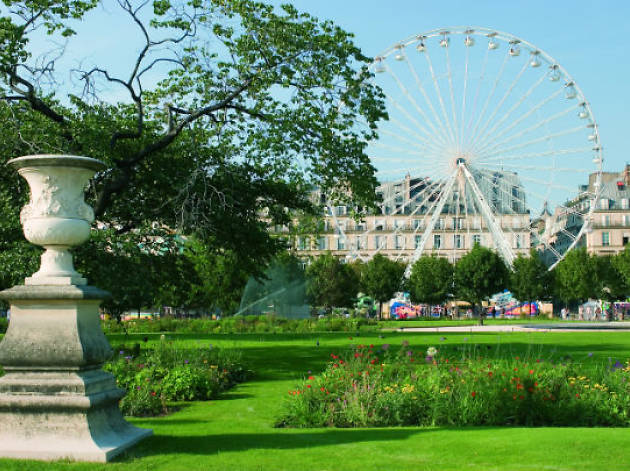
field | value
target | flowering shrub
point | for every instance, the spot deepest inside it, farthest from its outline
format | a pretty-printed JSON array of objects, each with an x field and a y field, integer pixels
[
  {"x": 241, "y": 324},
  {"x": 168, "y": 373},
  {"x": 370, "y": 387}
]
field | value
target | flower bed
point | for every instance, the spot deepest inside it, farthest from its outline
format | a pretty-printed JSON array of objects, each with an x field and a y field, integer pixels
[
  {"x": 369, "y": 386},
  {"x": 167, "y": 373}
]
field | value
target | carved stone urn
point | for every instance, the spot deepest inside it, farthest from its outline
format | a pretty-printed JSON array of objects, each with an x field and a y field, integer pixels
[
  {"x": 55, "y": 400},
  {"x": 56, "y": 217}
]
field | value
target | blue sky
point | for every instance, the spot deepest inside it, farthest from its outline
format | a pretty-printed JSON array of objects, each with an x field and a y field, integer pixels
[{"x": 590, "y": 39}]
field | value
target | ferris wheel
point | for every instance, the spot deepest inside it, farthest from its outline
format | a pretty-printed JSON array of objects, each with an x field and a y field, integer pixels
[{"x": 489, "y": 140}]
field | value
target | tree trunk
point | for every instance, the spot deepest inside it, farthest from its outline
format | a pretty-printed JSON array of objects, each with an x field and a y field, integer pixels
[
  {"x": 380, "y": 311},
  {"x": 481, "y": 313}
]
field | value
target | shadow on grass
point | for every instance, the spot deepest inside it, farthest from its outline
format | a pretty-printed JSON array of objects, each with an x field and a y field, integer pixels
[{"x": 212, "y": 444}]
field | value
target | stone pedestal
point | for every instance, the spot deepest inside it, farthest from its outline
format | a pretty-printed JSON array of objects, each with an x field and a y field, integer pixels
[{"x": 55, "y": 401}]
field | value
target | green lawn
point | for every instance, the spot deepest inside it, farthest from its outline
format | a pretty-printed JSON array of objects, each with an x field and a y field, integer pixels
[
  {"x": 394, "y": 324},
  {"x": 236, "y": 432}
]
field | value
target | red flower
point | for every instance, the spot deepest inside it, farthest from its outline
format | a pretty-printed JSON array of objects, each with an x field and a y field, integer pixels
[
  {"x": 577, "y": 395},
  {"x": 322, "y": 389},
  {"x": 518, "y": 358},
  {"x": 521, "y": 397},
  {"x": 152, "y": 393},
  {"x": 530, "y": 389},
  {"x": 490, "y": 373},
  {"x": 371, "y": 346},
  {"x": 535, "y": 384},
  {"x": 308, "y": 385},
  {"x": 473, "y": 394},
  {"x": 515, "y": 369},
  {"x": 357, "y": 355},
  {"x": 531, "y": 372},
  {"x": 311, "y": 377}
]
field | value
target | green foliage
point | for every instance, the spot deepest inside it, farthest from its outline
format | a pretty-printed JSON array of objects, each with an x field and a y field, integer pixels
[
  {"x": 431, "y": 280},
  {"x": 611, "y": 284},
  {"x": 576, "y": 276},
  {"x": 211, "y": 140},
  {"x": 479, "y": 274},
  {"x": 367, "y": 387},
  {"x": 331, "y": 283},
  {"x": 530, "y": 279},
  {"x": 169, "y": 372},
  {"x": 382, "y": 277},
  {"x": 241, "y": 324}
]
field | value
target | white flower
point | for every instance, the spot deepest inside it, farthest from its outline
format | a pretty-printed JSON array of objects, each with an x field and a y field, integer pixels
[{"x": 432, "y": 351}]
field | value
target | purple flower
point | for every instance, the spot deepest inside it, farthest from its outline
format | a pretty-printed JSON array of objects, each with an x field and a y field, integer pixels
[
  {"x": 428, "y": 358},
  {"x": 590, "y": 354},
  {"x": 442, "y": 339},
  {"x": 122, "y": 352},
  {"x": 138, "y": 388},
  {"x": 385, "y": 347},
  {"x": 465, "y": 339},
  {"x": 617, "y": 365},
  {"x": 405, "y": 343},
  {"x": 186, "y": 361},
  {"x": 409, "y": 353}
]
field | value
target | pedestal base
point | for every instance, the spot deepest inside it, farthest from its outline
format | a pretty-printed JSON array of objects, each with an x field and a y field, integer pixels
[
  {"x": 63, "y": 415},
  {"x": 55, "y": 401}
]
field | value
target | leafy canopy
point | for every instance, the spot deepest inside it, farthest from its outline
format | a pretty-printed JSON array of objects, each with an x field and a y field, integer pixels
[
  {"x": 479, "y": 274},
  {"x": 431, "y": 280},
  {"x": 228, "y": 111}
]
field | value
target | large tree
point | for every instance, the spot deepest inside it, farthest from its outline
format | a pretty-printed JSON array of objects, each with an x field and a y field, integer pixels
[
  {"x": 576, "y": 276},
  {"x": 530, "y": 278},
  {"x": 330, "y": 283},
  {"x": 431, "y": 280},
  {"x": 381, "y": 278},
  {"x": 228, "y": 110},
  {"x": 478, "y": 275}
]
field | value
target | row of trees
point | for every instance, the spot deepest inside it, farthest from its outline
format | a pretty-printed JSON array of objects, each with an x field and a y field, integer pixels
[{"x": 474, "y": 278}]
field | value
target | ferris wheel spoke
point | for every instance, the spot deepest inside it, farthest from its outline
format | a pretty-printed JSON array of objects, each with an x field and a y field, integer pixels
[
  {"x": 428, "y": 143},
  {"x": 437, "y": 206},
  {"x": 402, "y": 139},
  {"x": 542, "y": 123},
  {"x": 533, "y": 155},
  {"x": 463, "y": 107},
  {"x": 486, "y": 175},
  {"x": 413, "y": 102},
  {"x": 479, "y": 82},
  {"x": 505, "y": 96},
  {"x": 565, "y": 132},
  {"x": 494, "y": 227},
  {"x": 507, "y": 115},
  {"x": 441, "y": 129},
  {"x": 397, "y": 149},
  {"x": 526, "y": 115},
  {"x": 436, "y": 86},
  {"x": 489, "y": 97},
  {"x": 537, "y": 168},
  {"x": 452, "y": 94}
]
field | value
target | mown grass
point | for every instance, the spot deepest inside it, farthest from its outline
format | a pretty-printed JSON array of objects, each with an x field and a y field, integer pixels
[{"x": 236, "y": 432}]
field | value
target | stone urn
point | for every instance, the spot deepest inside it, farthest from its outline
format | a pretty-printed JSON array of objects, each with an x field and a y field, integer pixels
[
  {"x": 56, "y": 217},
  {"x": 55, "y": 400}
]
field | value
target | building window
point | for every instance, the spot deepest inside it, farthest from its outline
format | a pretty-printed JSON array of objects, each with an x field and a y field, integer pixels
[
  {"x": 341, "y": 243},
  {"x": 417, "y": 241},
  {"x": 399, "y": 223},
  {"x": 476, "y": 239},
  {"x": 457, "y": 241},
  {"x": 516, "y": 223},
  {"x": 321, "y": 243},
  {"x": 625, "y": 239},
  {"x": 360, "y": 242},
  {"x": 605, "y": 239},
  {"x": 439, "y": 224},
  {"x": 437, "y": 241},
  {"x": 605, "y": 220},
  {"x": 477, "y": 223},
  {"x": 380, "y": 242},
  {"x": 517, "y": 241},
  {"x": 303, "y": 243},
  {"x": 400, "y": 242},
  {"x": 626, "y": 220},
  {"x": 624, "y": 203},
  {"x": 379, "y": 225},
  {"x": 603, "y": 203},
  {"x": 457, "y": 223},
  {"x": 417, "y": 223}
]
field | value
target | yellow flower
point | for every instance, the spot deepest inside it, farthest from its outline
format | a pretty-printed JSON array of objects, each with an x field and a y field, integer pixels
[{"x": 214, "y": 367}]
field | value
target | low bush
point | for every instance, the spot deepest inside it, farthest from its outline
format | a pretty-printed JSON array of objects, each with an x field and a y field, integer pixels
[
  {"x": 4, "y": 325},
  {"x": 241, "y": 324},
  {"x": 152, "y": 378},
  {"x": 374, "y": 387}
]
